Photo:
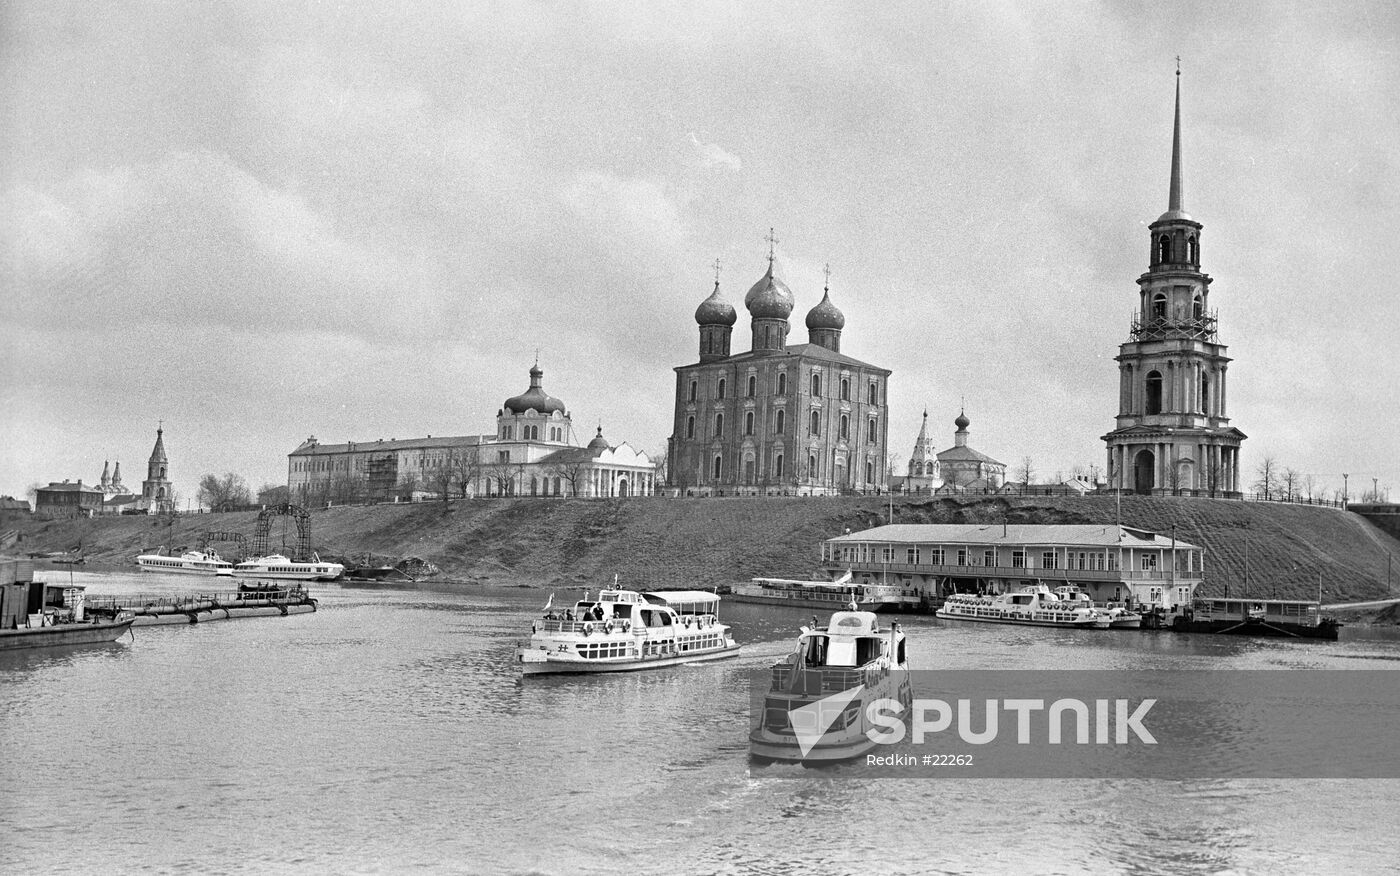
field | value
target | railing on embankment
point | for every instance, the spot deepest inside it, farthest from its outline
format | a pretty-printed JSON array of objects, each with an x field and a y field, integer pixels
[{"x": 166, "y": 603}]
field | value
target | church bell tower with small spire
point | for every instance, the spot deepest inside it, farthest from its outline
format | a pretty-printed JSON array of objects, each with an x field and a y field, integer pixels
[
  {"x": 157, "y": 493},
  {"x": 1173, "y": 435}
]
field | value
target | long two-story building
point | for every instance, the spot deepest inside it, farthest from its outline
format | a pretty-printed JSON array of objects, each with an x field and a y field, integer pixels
[{"x": 1108, "y": 562}]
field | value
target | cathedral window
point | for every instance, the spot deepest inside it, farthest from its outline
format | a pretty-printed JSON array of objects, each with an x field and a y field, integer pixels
[
  {"x": 782, "y": 383},
  {"x": 1197, "y": 308},
  {"x": 721, "y": 387},
  {"x": 1159, "y": 306},
  {"x": 845, "y": 427},
  {"x": 778, "y": 429},
  {"x": 1194, "y": 247},
  {"x": 719, "y": 462},
  {"x": 874, "y": 393},
  {"x": 753, "y": 386},
  {"x": 778, "y": 466},
  {"x": 694, "y": 388},
  {"x": 845, "y": 389},
  {"x": 811, "y": 465},
  {"x": 719, "y": 425},
  {"x": 869, "y": 472},
  {"x": 1205, "y": 394},
  {"x": 1154, "y": 392},
  {"x": 690, "y": 427},
  {"x": 816, "y": 386},
  {"x": 1164, "y": 249},
  {"x": 871, "y": 432},
  {"x": 748, "y": 423},
  {"x": 816, "y": 423}
]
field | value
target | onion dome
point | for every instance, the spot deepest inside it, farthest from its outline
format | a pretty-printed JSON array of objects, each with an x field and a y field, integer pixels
[
  {"x": 825, "y": 315},
  {"x": 962, "y": 422},
  {"x": 535, "y": 398},
  {"x": 599, "y": 442},
  {"x": 715, "y": 310},
  {"x": 769, "y": 298}
]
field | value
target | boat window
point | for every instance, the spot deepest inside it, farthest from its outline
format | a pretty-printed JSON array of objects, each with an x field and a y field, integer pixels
[{"x": 841, "y": 653}]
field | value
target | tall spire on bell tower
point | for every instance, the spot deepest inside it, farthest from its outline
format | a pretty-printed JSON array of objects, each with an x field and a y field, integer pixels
[{"x": 1174, "y": 197}]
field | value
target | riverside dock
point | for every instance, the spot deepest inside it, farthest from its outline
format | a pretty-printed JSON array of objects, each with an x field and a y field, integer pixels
[{"x": 162, "y": 609}]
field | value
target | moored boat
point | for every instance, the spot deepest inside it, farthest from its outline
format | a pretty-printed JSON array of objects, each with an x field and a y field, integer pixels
[
  {"x": 624, "y": 630},
  {"x": 1286, "y": 618},
  {"x": 281, "y": 567},
  {"x": 825, "y": 594},
  {"x": 38, "y": 615},
  {"x": 815, "y": 707},
  {"x": 204, "y": 562},
  {"x": 1030, "y": 606}
]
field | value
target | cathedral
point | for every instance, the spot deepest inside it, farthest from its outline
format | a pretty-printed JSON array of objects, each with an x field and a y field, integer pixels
[
  {"x": 1173, "y": 435},
  {"x": 804, "y": 419}
]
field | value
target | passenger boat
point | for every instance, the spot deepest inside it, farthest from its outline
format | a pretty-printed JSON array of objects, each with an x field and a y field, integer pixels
[
  {"x": 624, "y": 630},
  {"x": 1031, "y": 606},
  {"x": 189, "y": 563},
  {"x": 815, "y": 707},
  {"x": 825, "y": 594},
  {"x": 1287, "y": 618},
  {"x": 1119, "y": 617},
  {"x": 278, "y": 566}
]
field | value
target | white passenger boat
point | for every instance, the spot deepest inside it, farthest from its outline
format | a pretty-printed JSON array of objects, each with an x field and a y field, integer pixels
[
  {"x": 826, "y": 594},
  {"x": 1118, "y": 616},
  {"x": 815, "y": 708},
  {"x": 189, "y": 563},
  {"x": 278, "y": 566},
  {"x": 623, "y": 630},
  {"x": 1031, "y": 606}
]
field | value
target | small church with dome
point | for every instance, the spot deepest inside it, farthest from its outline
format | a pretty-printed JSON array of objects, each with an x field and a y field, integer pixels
[
  {"x": 534, "y": 451},
  {"x": 780, "y": 418}
]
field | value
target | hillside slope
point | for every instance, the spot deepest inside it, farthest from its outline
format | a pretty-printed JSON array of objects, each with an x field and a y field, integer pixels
[{"x": 664, "y": 542}]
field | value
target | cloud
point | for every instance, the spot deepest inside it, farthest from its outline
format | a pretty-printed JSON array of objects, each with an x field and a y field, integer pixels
[{"x": 714, "y": 155}]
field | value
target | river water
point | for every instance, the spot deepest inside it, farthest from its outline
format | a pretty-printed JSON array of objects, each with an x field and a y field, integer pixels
[{"x": 389, "y": 732}]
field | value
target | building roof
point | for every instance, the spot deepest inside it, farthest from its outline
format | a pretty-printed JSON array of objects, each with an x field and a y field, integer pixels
[
  {"x": 311, "y": 447},
  {"x": 66, "y": 487},
  {"x": 807, "y": 351},
  {"x": 1074, "y": 535},
  {"x": 966, "y": 454}
]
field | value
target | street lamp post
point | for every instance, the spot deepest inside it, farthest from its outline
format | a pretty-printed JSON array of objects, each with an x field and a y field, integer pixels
[{"x": 1344, "y": 488}]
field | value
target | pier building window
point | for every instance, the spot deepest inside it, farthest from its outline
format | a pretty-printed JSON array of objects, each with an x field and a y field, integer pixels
[
  {"x": 989, "y": 558},
  {"x": 1112, "y": 561},
  {"x": 962, "y": 556},
  {"x": 887, "y": 554},
  {"x": 935, "y": 556},
  {"x": 1018, "y": 559},
  {"x": 1047, "y": 560},
  {"x": 753, "y": 386},
  {"x": 1149, "y": 562},
  {"x": 911, "y": 556},
  {"x": 721, "y": 387},
  {"x": 782, "y": 383}
]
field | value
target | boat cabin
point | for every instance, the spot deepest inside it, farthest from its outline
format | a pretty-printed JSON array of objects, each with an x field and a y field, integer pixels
[{"x": 1293, "y": 611}]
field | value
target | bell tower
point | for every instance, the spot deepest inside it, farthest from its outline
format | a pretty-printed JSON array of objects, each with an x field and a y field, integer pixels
[
  {"x": 1173, "y": 436},
  {"x": 156, "y": 491}
]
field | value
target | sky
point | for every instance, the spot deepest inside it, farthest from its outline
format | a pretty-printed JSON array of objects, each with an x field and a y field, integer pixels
[{"x": 253, "y": 222}]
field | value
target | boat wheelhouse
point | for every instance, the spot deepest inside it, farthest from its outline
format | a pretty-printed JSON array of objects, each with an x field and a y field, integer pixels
[
  {"x": 826, "y": 594},
  {"x": 815, "y": 707},
  {"x": 189, "y": 563},
  {"x": 38, "y": 615},
  {"x": 1113, "y": 565},
  {"x": 280, "y": 567},
  {"x": 1288, "y": 618},
  {"x": 624, "y": 630}
]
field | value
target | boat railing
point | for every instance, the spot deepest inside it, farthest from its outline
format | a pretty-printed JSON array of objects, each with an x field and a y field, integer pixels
[
  {"x": 593, "y": 625},
  {"x": 832, "y": 679}
]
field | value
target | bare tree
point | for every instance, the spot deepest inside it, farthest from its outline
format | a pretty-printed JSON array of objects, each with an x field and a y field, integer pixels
[
  {"x": 1175, "y": 478},
  {"x": 466, "y": 463},
  {"x": 571, "y": 469},
  {"x": 1027, "y": 470},
  {"x": 409, "y": 483},
  {"x": 1267, "y": 477},
  {"x": 274, "y": 494},
  {"x": 1288, "y": 483},
  {"x": 223, "y": 493},
  {"x": 440, "y": 477}
]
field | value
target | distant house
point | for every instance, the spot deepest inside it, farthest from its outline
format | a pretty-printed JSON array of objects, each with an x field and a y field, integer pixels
[
  {"x": 13, "y": 505},
  {"x": 68, "y": 500}
]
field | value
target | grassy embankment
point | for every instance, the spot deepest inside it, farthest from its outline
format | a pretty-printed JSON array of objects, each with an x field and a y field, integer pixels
[{"x": 661, "y": 542}]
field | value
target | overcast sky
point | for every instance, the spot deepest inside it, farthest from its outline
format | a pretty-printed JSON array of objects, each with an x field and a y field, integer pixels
[{"x": 261, "y": 221}]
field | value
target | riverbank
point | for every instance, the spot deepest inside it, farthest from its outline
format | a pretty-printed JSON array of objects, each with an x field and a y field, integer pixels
[{"x": 655, "y": 543}]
